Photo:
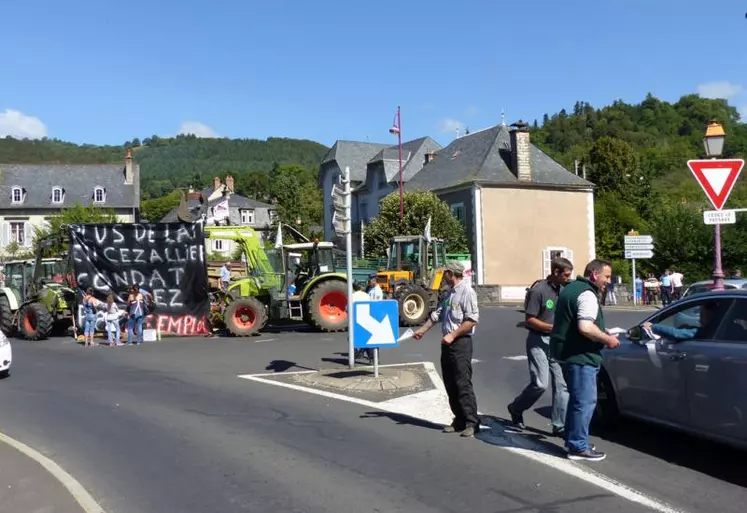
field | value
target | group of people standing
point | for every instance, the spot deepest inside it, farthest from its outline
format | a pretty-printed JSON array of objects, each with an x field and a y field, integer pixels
[
  {"x": 136, "y": 309},
  {"x": 566, "y": 335}
]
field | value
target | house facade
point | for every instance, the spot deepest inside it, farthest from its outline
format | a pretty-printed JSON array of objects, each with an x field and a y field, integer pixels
[
  {"x": 374, "y": 173},
  {"x": 30, "y": 194},
  {"x": 241, "y": 211},
  {"x": 519, "y": 207}
]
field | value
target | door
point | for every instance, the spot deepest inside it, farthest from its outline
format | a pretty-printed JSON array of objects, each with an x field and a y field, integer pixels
[
  {"x": 650, "y": 377},
  {"x": 717, "y": 375}
]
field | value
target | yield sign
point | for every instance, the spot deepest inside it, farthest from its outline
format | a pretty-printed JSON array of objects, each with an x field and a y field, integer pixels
[{"x": 717, "y": 177}]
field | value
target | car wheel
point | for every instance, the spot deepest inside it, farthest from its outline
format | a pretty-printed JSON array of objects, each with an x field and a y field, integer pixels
[{"x": 606, "y": 414}]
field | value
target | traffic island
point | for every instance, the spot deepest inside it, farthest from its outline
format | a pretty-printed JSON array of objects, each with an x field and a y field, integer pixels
[{"x": 393, "y": 382}]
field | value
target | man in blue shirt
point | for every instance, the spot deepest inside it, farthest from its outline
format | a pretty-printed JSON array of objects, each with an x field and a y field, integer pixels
[
  {"x": 666, "y": 288},
  {"x": 225, "y": 276}
]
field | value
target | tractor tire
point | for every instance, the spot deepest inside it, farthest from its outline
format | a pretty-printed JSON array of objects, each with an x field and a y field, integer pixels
[
  {"x": 413, "y": 305},
  {"x": 327, "y": 306},
  {"x": 6, "y": 317},
  {"x": 245, "y": 316},
  {"x": 36, "y": 322}
]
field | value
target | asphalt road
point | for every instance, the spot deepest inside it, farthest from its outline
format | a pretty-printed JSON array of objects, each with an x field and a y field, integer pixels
[{"x": 169, "y": 427}]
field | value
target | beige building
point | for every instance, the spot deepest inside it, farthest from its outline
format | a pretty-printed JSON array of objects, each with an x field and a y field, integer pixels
[
  {"x": 32, "y": 193},
  {"x": 520, "y": 208}
]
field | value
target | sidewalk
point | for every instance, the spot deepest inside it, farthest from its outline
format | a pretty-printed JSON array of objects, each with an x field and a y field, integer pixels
[{"x": 26, "y": 486}]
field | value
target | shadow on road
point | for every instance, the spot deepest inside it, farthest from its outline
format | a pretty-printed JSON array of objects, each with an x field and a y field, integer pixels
[
  {"x": 402, "y": 419},
  {"x": 284, "y": 365},
  {"x": 716, "y": 460}
]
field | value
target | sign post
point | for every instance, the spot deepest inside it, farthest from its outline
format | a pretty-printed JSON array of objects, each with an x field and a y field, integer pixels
[
  {"x": 375, "y": 325},
  {"x": 717, "y": 178},
  {"x": 638, "y": 246},
  {"x": 341, "y": 222}
]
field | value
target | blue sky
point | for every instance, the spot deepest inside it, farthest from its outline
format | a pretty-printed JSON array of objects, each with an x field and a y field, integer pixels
[{"x": 88, "y": 72}]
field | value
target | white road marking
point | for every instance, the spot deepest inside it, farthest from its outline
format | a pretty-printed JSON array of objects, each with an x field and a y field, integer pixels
[
  {"x": 517, "y": 358},
  {"x": 86, "y": 501},
  {"x": 433, "y": 406},
  {"x": 263, "y": 340},
  {"x": 475, "y": 360}
]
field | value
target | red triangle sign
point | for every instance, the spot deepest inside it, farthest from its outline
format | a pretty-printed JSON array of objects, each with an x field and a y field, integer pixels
[{"x": 716, "y": 177}]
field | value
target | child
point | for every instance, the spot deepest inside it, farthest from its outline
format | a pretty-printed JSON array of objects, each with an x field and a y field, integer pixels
[{"x": 112, "y": 322}]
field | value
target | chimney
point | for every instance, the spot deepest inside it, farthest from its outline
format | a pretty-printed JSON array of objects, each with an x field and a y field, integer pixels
[
  {"x": 521, "y": 151},
  {"x": 193, "y": 194},
  {"x": 229, "y": 183},
  {"x": 129, "y": 173},
  {"x": 429, "y": 158},
  {"x": 216, "y": 183}
]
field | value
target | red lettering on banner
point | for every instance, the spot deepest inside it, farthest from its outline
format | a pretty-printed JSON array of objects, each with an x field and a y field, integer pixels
[{"x": 182, "y": 326}]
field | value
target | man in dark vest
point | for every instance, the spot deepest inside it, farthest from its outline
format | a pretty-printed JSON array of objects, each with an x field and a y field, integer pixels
[{"x": 577, "y": 339}]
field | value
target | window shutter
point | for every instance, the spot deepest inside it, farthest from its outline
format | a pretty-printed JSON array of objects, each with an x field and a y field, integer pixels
[
  {"x": 568, "y": 253},
  {"x": 28, "y": 235},
  {"x": 546, "y": 262},
  {"x": 4, "y": 234}
]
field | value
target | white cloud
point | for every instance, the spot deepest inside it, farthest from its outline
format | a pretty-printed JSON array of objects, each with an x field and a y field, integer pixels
[
  {"x": 451, "y": 125},
  {"x": 723, "y": 89},
  {"x": 198, "y": 129},
  {"x": 471, "y": 111},
  {"x": 20, "y": 126}
]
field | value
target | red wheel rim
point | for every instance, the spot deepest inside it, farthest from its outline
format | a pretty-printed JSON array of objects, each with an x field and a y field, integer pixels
[
  {"x": 333, "y": 306},
  {"x": 244, "y": 317},
  {"x": 29, "y": 322}
]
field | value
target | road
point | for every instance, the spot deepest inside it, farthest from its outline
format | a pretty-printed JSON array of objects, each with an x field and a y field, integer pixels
[{"x": 170, "y": 427}]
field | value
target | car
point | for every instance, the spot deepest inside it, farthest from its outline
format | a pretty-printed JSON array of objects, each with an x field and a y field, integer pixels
[
  {"x": 696, "y": 384},
  {"x": 6, "y": 356},
  {"x": 707, "y": 285}
]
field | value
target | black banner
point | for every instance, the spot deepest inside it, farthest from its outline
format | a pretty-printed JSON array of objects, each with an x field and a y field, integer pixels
[{"x": 166, "y": 259}]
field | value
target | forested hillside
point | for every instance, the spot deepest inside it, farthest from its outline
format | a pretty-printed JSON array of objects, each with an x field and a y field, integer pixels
[
  {"x": 181, "y": 161},
  {"x": 637, "y": 155}
]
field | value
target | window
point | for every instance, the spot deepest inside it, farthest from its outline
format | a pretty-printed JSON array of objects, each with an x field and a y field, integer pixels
[
  {"x": 458, "y": 211},
  {"x": 99, "y": 195},
  {"x": 57, "y": 195},
  {"x": 218, "y": 245},
  {"x": 16, "y": 195},
  {"x": 550, "y": 254},
  {"x": 689, "y": 315},
  {"x": 18, "y": 232},
  {"x": 247, "y": 216},
  {"x": 733, "y": 328}
]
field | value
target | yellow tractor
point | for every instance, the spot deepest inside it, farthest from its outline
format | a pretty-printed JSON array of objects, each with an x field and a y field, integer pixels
[{"x": 414, "y": 276}]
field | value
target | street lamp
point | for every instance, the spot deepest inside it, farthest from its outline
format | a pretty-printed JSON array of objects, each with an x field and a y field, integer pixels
[
  {"x": 397, "y": 130},
  {"x": 714, "y": 147}
]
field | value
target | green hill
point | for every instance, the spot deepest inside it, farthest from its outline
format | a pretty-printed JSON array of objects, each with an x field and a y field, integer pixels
[{"x": 181, "y": 161}]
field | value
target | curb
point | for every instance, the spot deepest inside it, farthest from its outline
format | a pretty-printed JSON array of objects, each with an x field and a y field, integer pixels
[{"x": 82, "y": 497}]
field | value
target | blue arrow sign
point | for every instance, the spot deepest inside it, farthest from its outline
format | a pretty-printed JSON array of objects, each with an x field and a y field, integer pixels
[{"x": 375, "y": 323}]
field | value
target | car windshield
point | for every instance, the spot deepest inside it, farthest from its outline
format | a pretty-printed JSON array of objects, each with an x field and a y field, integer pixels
[{"x": 706, "y": 287}]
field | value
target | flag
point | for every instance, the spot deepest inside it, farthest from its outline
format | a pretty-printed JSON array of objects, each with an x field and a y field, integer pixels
[
  {"x": 220, "y": 211},
  {"x": 279, "y": 237},
  {"x": 427, "y": 234}
]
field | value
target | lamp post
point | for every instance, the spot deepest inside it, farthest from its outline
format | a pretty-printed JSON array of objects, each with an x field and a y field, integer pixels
[
  {"x": 397, "y": 129},
  {"x": 714, "y": 147}
]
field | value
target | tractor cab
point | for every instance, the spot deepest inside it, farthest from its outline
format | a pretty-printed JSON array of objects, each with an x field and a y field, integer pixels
[
  {"x": 305, "y": 261},
  {"x": 411, "y": 259}
]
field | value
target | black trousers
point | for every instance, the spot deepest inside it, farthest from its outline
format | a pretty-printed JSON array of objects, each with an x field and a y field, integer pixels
[{"x": 456, "y": 368}]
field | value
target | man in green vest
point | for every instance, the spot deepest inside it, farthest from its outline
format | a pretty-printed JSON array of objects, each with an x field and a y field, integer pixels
[{"x": 577, "y": 339}]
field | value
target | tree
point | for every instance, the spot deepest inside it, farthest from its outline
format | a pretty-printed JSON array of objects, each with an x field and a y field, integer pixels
[
  {"x": 155, "y": 209},
  {"x": 419, "y": 206},
  {"x": 615, "y": 167},
  {"x": 298, "y": 196},
  {"x": 77, "y": 214}
]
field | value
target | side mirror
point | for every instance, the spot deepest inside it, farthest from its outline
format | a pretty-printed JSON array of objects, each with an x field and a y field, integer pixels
[{"x": 635, "y": 334}]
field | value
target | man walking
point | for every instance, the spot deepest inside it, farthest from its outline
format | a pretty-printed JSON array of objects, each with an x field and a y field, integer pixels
[
  {"x": 577, "y": 339},
  {"x": 225, "y": 276},
  {"x": 458, "y": 315},
  {"x": 540, "y": 314}
]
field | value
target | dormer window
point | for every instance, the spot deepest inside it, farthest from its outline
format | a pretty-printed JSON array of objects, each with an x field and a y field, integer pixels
[
  {"x": 99, "y": 195},
  {"x": 16, "y": 195},
  {"x": 57, "y": 194}
]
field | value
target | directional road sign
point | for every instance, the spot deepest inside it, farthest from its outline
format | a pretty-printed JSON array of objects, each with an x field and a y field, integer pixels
[
  {"x": 376, "y": 323},
  {"x": 638, "y": 254},
  {"x": 638, "y": 247},
  {"x": 720, "y": 216},
  {"x": 716, "y": 177},
  {"x": 639, "y": 239}
]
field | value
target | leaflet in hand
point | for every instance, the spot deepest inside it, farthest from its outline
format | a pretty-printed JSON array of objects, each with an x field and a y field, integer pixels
[
  {"x": 408, "y": 334},
  {"x": 616, "y": 331},
  {"x": 650, "y": 334}
]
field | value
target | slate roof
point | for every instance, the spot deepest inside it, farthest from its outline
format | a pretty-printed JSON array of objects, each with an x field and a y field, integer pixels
[
  {"x": 352, "y": 154},
  {"x": 77, "y": 181},
  {"x": 485, "y": 157},
  {"x": 413, "y": 155}
]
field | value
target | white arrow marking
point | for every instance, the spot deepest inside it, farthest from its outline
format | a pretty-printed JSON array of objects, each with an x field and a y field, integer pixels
[
  {"x": 717, "y": 176},
  {"x": 381, "y": 332}
]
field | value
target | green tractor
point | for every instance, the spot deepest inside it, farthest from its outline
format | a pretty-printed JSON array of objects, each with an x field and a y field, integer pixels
[
  {"x": 35, "y": 298},
  {"x": 296, "y": 282}
]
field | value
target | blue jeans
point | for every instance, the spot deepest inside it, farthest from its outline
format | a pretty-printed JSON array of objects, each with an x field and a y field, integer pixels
[
  {"x": 134, "y": 323},
  {"x": 582, "y": 400},
  {"x": 89, "y": 326},
  {"x": 114, "y": 335}
]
